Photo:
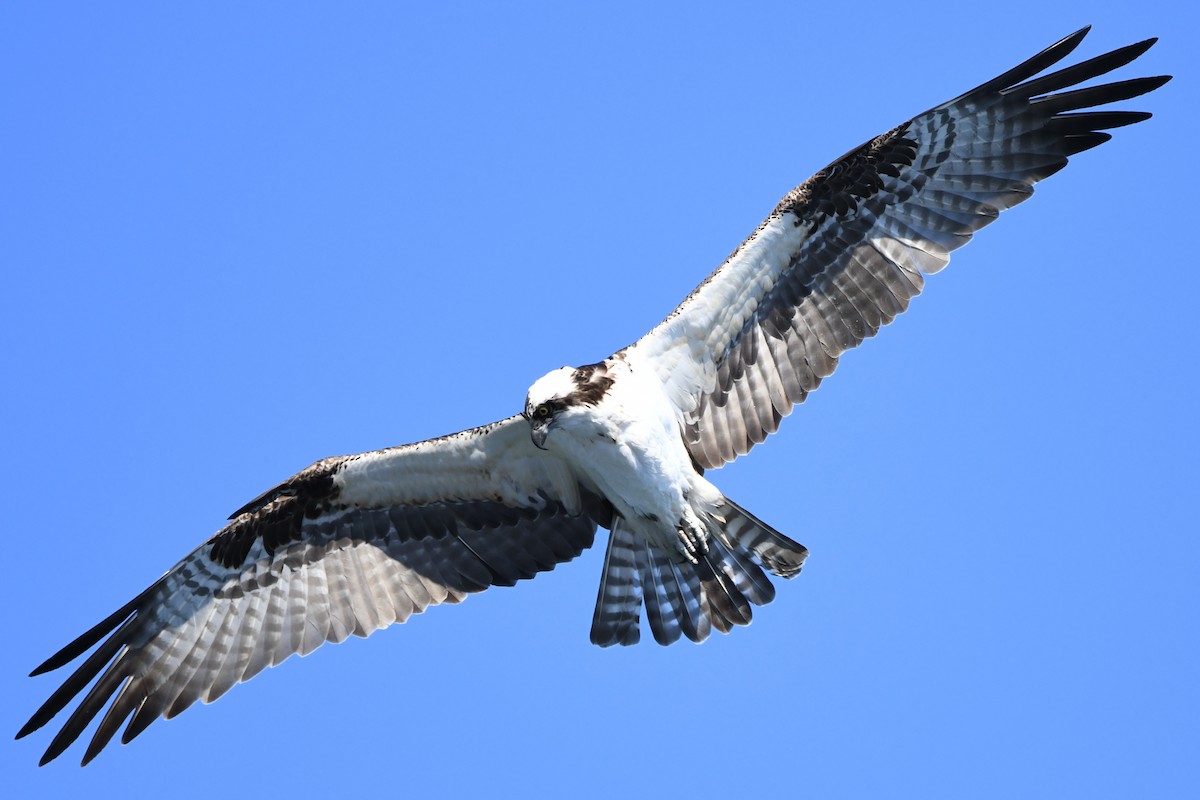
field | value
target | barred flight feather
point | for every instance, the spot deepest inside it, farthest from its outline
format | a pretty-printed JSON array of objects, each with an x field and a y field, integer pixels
[{"x": 844, "y": 253}]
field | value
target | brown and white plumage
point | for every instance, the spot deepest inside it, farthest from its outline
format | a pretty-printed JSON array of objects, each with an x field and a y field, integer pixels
[
  {"x": 346, "y": 547},
  {"x": 353, "y": 544},
  {"x": 843, "y": 253}
]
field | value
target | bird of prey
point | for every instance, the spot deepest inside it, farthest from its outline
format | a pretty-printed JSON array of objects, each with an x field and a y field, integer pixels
[{"x": 355, "y": 543}]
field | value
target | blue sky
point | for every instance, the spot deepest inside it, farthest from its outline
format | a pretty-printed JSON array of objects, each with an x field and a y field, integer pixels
[{"x": 237, "y": 241}]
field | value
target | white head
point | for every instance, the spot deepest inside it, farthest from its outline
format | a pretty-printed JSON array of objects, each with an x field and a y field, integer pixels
[
  {"x": 552, "y": 386},
  {"x": 560, "y": 392}
]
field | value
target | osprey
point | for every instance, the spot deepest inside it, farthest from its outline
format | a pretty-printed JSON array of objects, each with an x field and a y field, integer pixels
[{"x": 355, "y": 543}]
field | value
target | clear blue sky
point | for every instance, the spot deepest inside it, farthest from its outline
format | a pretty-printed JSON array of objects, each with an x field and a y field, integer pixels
[{"x": 237, "y": 241}]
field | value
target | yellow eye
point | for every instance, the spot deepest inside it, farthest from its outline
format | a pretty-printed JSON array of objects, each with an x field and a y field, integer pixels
[{"x": 542, "y": 411}]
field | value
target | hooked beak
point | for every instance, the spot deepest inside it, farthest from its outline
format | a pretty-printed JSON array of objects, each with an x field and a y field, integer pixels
[{"x": 538, "y": 431}]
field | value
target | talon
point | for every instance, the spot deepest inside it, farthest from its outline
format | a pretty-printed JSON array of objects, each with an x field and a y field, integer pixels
[{"x": 692, "y": 544}]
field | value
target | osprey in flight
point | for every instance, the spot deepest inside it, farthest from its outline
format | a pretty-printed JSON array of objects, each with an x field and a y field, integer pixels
[{"x": 355, "y": 543}]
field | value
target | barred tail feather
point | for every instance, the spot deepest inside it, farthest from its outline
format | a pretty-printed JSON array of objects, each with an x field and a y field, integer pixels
[
  {"x": 691, "y": 600},
  {"x": 747, "y": 534},
  {"x": 664, "y": 604},
  {"x": 619, "y": 604}
]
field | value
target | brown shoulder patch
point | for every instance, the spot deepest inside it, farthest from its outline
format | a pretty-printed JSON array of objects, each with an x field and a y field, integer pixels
[{"x": 592, "y": 382}]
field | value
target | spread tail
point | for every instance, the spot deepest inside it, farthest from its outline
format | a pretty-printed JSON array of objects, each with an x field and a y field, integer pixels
[{"x": 691, "y": 599}]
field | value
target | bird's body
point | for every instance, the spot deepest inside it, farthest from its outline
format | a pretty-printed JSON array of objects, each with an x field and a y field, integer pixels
[
  {"x": 624, "y": 440},
  {"x": 677, "y": 545},
  {"x": 355, "y": 543}
]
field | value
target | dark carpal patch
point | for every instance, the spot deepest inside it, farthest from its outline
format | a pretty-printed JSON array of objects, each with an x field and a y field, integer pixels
[
  {"x": 591, "y": 384},
  {"x": 277, "y": 515},
  {"x": 837, "y": 190}
]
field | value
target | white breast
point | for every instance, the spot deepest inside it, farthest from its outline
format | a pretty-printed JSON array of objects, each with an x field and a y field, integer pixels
[{"x": 630, "y": 446}]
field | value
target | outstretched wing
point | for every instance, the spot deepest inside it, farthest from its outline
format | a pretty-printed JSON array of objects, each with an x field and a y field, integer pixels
[
  {"x": 843, "y": 253},
  {"x": 348, "y": 546}
]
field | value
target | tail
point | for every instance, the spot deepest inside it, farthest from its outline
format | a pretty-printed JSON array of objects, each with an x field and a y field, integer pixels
[{"x": 685, "y": 598}]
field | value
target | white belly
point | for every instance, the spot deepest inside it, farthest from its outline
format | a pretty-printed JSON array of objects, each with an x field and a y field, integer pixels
[{"x": 631, "y": 448}]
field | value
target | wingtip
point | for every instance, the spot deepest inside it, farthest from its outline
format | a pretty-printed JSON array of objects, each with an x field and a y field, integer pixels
[
  {"x": 1072, "y": 40},
  {"x": 44, "y": 667},
  {"x": 34, "y": 723},
  {"x": 1137, "y": 49},
  {"x": 1147, "y": 84}
]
